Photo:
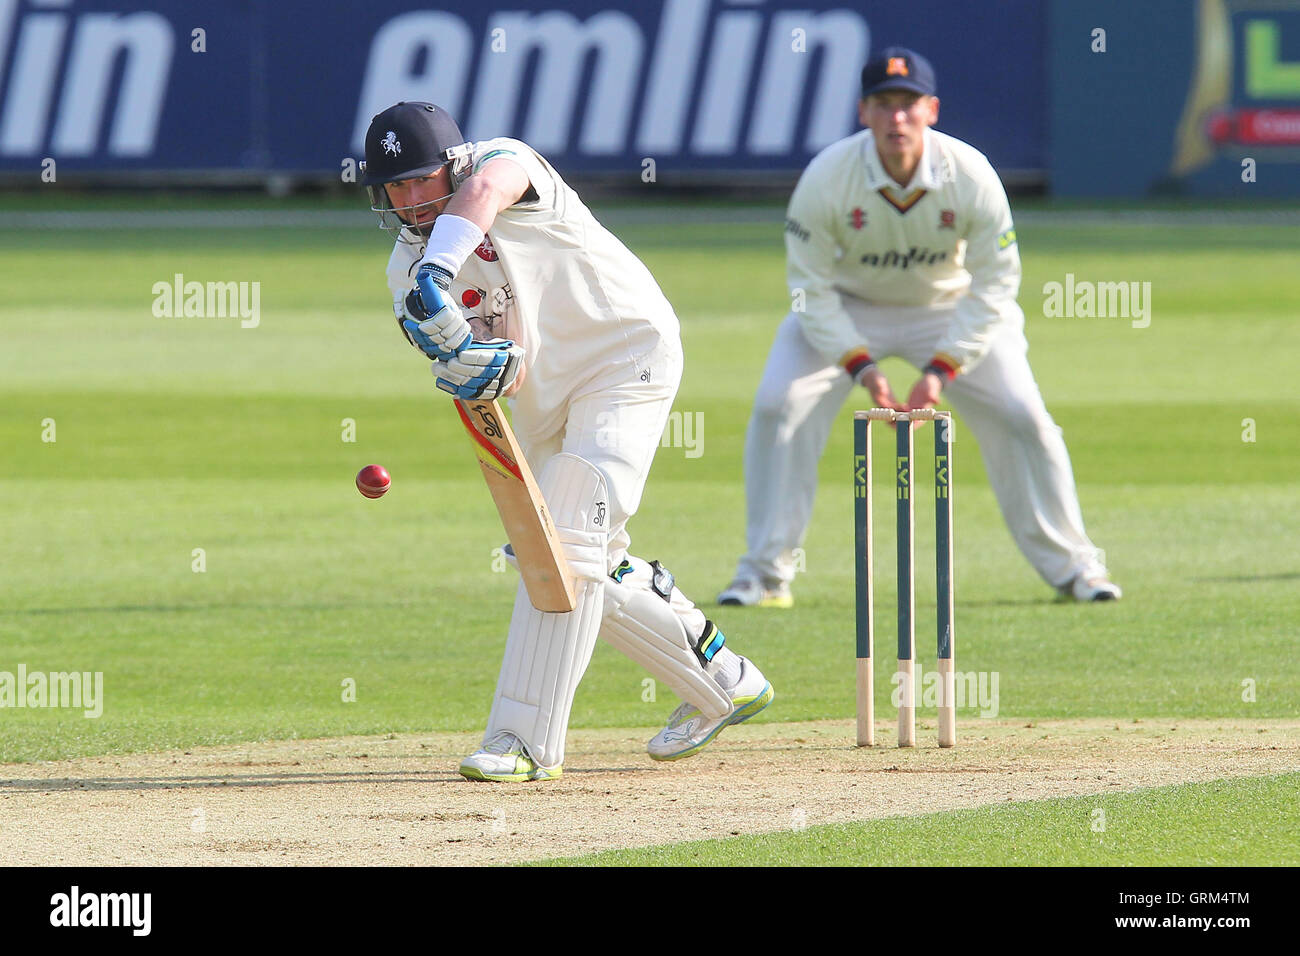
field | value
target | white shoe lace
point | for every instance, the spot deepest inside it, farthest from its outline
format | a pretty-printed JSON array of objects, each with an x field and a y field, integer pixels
[
  {"x": 501, "y": 744},
  {"x": 680, "y": 714}
]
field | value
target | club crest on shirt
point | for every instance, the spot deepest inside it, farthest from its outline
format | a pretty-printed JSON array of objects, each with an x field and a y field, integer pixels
[
  {"x": 502, "y": 297},
  {"x": 485, "y": 251},
  {"x": 947, "y": 219},
  {"x": 487, "y": 303},
  {"x": 857, "y": 218}
]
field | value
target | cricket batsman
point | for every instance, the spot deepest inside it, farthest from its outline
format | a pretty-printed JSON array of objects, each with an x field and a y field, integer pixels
[
  {"x": 544, "y": 306},
  {"x": 899, "y": 242}
]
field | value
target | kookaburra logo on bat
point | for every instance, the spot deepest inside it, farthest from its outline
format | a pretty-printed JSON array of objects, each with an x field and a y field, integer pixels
[
  {"x": 391, "y": 146},
  {"x": 490, "y": 427}
]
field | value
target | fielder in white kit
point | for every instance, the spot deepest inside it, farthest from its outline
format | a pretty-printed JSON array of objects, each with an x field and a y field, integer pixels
[
  {"x": 560, "y": 317},
  {"x": 900, "y": 242}
]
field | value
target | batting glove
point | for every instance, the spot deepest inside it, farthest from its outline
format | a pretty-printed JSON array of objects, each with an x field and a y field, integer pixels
[
  {"x": 480, "y": 370},
  {"x": 439, "y": 334}
]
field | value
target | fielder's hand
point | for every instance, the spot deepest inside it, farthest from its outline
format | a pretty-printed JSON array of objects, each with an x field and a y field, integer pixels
[
  {"x": 925, "y": 393},
  {"x": 435, "y": 327},
  {"x": 878, "y": 386},
  {"x": 480, "y": 370}
]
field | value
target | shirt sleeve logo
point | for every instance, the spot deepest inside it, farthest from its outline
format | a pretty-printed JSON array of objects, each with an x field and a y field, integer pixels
[
  {"x": 795, "y": 228},
  {"x": 1007, "y": 238},
  {"x": 947, "y": 219},
  {"x": 492, "y": 155}
]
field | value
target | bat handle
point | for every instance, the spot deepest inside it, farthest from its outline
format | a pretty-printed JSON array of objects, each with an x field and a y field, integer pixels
[{"x": 430, "y": 293}]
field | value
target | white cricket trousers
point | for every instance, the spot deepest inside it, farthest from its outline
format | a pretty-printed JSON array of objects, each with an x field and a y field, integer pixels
[
  {"x": 999, "y": 403},
  {"x": 616, "y": 422}
]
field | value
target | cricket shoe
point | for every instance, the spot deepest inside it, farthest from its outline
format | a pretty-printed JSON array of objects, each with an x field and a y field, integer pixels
[
  {"x": 505, "y": 759},
  {"x": 1091, "y": 588},
  {"x": 746, "y": 592},
  {"x": 688, "y": 731}
]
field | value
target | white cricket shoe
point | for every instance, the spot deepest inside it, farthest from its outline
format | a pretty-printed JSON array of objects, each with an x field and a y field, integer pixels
[
  {"x": 1096, "y": 587},
  {"x": 746, "y": 592},
  {"x": 504, "y": 758},
  {"x": 688, "y": 731}
]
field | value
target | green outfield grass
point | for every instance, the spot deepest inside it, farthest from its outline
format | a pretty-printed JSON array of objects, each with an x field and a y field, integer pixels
[
  {"x": 183, "y": 434},
  {"x": 1223, "y": 823}
]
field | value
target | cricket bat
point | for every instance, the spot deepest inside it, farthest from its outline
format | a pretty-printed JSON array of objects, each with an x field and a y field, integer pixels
[{"x": 520, "y": 503}]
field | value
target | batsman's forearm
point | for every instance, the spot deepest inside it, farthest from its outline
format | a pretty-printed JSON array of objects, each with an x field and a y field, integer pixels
[
  {"x": 497, "y": 186},
  {"x": 476, "y": 201}
]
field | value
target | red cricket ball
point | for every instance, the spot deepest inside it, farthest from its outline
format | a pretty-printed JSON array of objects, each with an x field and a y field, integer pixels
[{"x": 373, "y": 481}]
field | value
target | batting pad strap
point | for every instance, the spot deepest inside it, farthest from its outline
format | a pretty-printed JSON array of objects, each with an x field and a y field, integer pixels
[
  {"x": 585, "y": 552},
  {"x": 640, "y": 624},
  {"x": 662, "y": 581},
  {"x": 710, "y": 642}
]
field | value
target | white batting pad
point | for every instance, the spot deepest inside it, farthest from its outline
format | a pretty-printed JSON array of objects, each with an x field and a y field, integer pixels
[
  {"x": 547, "y": 654},
  {"x": 653, "y": 632}
]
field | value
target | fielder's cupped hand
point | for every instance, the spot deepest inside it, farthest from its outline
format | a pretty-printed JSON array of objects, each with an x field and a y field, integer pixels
[
  {"x": 878, "y": 387},
  {"x": 480, "y": 370},
  {"x": 926, "y": 392},
  {"x": 440, "y": 332}
]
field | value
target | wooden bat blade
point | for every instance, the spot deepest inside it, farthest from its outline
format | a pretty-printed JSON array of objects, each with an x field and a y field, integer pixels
[{"x": 520, "y": 504}]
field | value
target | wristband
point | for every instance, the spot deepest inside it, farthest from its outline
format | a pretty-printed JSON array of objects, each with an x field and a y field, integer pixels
[
  {"x": 450, "y": 243},
  {"x": 856, "y": 362},
  {"x": 944, "y": 370}
]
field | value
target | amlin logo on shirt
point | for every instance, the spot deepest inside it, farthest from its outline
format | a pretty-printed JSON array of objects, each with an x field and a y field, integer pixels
[{"x": 76, "y": 908}]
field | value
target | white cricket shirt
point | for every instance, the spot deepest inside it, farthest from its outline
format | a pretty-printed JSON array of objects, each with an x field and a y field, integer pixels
[
  {"x": 945, "y": 239},
  {"x": 553, "y": 279}
]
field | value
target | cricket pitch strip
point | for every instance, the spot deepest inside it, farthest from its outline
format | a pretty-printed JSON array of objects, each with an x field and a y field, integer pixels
[{"x": 397, "y": 800}]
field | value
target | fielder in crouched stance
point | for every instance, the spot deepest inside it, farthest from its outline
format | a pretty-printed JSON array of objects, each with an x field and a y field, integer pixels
[
  {"x": 900, "y": 242},
  {"x": 561, "y": 318}
]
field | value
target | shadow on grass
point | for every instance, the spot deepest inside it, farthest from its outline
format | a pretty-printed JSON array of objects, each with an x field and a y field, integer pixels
[
  {"x": 1250, "y": 578},
  {"x": 178, "y": 608},
  {"x": 236, "y": 781},
  {"x": 1046, "y": 601},
  {"x": 239, "y": 781}
]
